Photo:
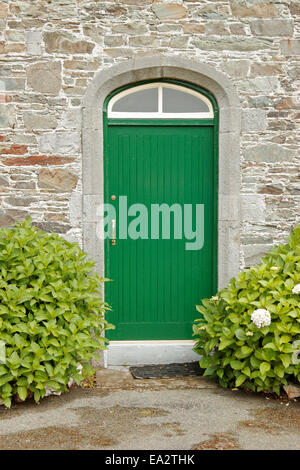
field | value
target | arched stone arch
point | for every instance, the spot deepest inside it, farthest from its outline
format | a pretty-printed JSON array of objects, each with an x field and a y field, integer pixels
[{"x": 151, "y": 68}]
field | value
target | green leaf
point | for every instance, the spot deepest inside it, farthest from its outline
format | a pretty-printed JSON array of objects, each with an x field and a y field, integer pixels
[
  {"x": 234, "y": 318},
  {"x": 6, "y": 402},
  {"x": 22, "y": 392},
  {"x": 13, "y": 359},
  {"x": 286, "y": 360},
  {"x": 271, "y": 345},
  {"x": 204, "y": 362},
  {"x": 245, "y": 351},
  {"x": 5, "y": 378},
  {"x": 254, "y": 362},
  {"x": 279, "y": 370},
  {"x": 236, "y": 365},
  {"x": 264, "y": 367},
  {"x": 240, "y": 380},
  {"x": 37, "y": 396},
  {"x": 224, "y": 343},
  {"x": 240, "y": 334},
  {"x": 246, "y": 371}
]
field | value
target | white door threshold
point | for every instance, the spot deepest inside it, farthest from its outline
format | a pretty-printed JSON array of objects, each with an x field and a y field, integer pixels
[{"x": 134, "y": 353}]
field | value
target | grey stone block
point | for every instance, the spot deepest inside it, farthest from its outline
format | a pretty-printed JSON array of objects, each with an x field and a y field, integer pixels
[
  {"x": 269, "y": 153},
  {"x": 12, "y": 84},
  {"x": 290, "y": 47},
  {"x": 39, "y": 121},
  {"x": 45, "y": 77},
  {"x": 254, "y": 120},
  {"x": 253, "y": 208},
  {"x": 272, "y": 27},
  {"x": 237, "y": 68},
  {"x": 261, "y": 85},
  {"x": 7, "y": 115},
  {"x": 232, "y": 44},
  {"x": 254, "y": 253},
  {"x": 60, "y": 143}
]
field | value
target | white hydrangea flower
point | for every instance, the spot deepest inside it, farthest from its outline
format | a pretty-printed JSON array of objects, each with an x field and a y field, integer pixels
[
  {"x": 261, "y": 317},
  {"x": 296, "y": 289}
]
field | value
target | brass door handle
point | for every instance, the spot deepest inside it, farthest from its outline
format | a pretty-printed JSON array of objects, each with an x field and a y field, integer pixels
[{"x": 113, "y": 229}]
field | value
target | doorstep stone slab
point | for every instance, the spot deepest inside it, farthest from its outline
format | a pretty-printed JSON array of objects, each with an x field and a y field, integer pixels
[{"x": 108, "y": 380}]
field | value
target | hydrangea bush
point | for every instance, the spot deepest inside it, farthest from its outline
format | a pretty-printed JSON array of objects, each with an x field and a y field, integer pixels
[
  {"x": 249, "y": 334},
  {"x": 51, "y": 313}
]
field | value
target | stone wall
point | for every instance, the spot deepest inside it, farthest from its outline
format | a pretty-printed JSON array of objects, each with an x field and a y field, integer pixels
[{"x": 50, "y": 50}]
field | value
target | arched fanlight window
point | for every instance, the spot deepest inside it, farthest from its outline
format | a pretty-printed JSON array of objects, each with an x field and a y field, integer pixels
[{"x": 160, "y": 100}]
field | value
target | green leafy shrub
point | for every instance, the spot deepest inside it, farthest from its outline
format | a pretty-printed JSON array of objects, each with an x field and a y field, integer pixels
[
  {"x": 236, "y": 351},
  {"x": 51, "y": 313}
]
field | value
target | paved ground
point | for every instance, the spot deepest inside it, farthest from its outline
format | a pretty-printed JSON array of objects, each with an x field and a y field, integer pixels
[{"x": 174, "y": 414}]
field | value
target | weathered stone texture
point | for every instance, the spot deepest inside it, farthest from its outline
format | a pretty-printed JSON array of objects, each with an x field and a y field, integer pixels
[
  {"x": 66, "y": 43},
  {"x": 253, "y": 208},
  {"x": 237, "y": 68},
  {"x": 7, "y": 115},
  {"x": 96, "y": 33},
  {"x": 39, "y": 121},
  {"x": 191, "y": 28},
  {"x": 14, "y": 48},
  {"x": 60, "y": 180},
  {"x": 169, "y": 11},
  {"x": 34, "y": 42},
  {"x": 254, "y": 120},
  {"x": 130, "y": 28},
  {"x": 261, "y": 69},
  {"x": 294, "y": 7},
  {"x": 14, "y": 150},
  {"x": 14, "y": 35},
  {"x": 3, "y": 10},
  {"x": 4, "y": 182},
  {"x": 261, "y": 85},
  {"x": 290, "y": 46},
  {"x": 213, "y": 12},
  {"x": 270, "y": 153},
  {"x": 272, "y": 28},
  {"x": 5, "y": 219},
  {"x": 53, "y": 227},
  {"x": 51, "y": 51},
  {"x": 253, "y": 253},
  {"x": 19, "y": 201},
  {"x": 41, "y": 160},
  {"x": 28, "y": 9},
  {"x": 243, "y": 9},
  {"x": 12, "y": 84},
  {"x": 231, "y": 44},
  {"x": 62, "y": 143},
  {"x": 45, "y": 77}
]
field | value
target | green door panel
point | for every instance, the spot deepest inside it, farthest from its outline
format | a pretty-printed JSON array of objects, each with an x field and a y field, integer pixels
[{"x": 156, "y": 283}]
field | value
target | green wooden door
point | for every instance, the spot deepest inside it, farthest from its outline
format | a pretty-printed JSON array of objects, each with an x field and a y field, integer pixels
[{"x": 156, "y": 283}]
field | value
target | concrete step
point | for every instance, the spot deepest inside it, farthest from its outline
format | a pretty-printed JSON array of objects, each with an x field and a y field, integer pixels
[{"x": 133, "y": 353}]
